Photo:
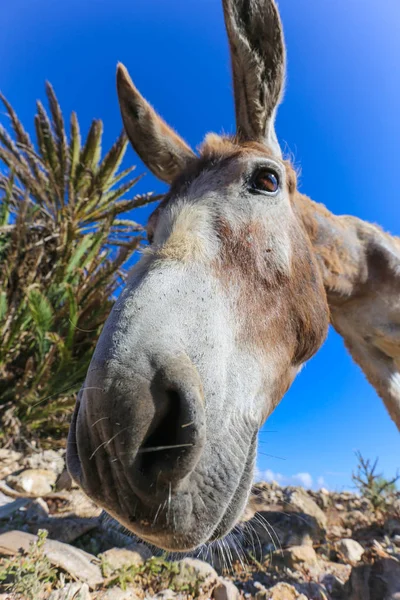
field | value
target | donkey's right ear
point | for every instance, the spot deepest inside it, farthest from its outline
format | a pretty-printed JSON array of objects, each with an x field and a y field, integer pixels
[
  {"x": 258, "y": 64},
  {"x": 160, "y": 148}
]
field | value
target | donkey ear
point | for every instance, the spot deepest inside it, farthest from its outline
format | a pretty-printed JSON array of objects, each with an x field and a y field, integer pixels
[
  {"x": 360, "y": 267},
  {"x": 258, "y": 64},
  {"x": 368, "y": 319},
  {"x": 160, "y": 148}
]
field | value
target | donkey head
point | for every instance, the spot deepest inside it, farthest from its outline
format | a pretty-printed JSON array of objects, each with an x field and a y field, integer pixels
[{"x": 216, "y": 319}]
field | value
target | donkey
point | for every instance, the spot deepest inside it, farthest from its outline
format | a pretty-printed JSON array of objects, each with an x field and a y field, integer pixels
[{"x": 234, "y": 294}]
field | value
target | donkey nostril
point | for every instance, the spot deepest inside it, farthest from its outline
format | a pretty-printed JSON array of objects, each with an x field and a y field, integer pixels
[
  {"x": 164, "y": 427},
  {"x": 172, "y": 437}
]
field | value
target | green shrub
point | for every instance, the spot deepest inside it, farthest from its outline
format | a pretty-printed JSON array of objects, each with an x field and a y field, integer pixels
[
  {"x": 372, "y": 485},
  {"x": 63, "y": 247},
  {"x": 29, "y": 575}
]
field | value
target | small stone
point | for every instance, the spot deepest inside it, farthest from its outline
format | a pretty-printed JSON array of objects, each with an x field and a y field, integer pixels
[
  {"x": 11, "y": 507},
  {"x": 297, "y": 499},
  {"x": 9, "y": 461},
  {"x": 193, "y": 570},
  {"x": 337, "y": 531},
  {"x": 35, "y": 482},
  {"x": 300, "y": 556},
  {"x": 72, "y": 591},
  {"x": 226, "y": 590},
  {"x": 164, "y": 595},
  {"x": 275, "y": 529},
  {"x": 392, "y": 527},
  {"x": 68, "y": 529},
  {"x": 116, "y": 593},
  {"x": 280, "y": 591},
  {"x": 64, "y": 481},
  {"x": 351, "y": 550},
  {"x": 333, "y": 584},
  {"x": 118, "y": 558},
  {"x": 36, "y": 510},
  {"x": 48, "y": 460},
  {"x": 357, "y": 519}
]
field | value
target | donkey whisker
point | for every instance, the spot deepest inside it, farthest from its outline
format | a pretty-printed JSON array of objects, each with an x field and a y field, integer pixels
[{"x": 158, "y": 448}]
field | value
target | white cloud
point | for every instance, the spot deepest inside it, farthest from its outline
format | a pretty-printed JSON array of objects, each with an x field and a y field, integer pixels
[
  {"x": 304, "y": 479},
  {"x": 300, "y": 479}
]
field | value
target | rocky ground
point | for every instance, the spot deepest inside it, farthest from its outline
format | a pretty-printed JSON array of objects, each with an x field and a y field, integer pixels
[{"x": 292, "y": 544}]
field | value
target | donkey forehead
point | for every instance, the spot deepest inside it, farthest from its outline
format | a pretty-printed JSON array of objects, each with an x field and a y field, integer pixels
[
  {"x": 216, "y": 176},
  {"x": 222, "y": 161},
  {"x": 209, "y": 198}
]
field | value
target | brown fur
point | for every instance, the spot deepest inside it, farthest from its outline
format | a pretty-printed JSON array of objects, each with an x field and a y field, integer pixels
[
  {"x": 269, "y": 299},
  {"x": 277, "y": 309}
]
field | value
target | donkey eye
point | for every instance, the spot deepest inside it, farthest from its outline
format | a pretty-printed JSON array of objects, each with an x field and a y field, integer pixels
[{"x": 265, "y": 180}]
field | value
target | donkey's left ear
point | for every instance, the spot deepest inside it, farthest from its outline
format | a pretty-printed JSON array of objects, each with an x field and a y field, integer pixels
[
  {"x": 258, "y": 64},
  {"x": 160, "y": 148}
]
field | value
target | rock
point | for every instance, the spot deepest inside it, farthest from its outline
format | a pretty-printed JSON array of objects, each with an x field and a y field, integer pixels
[
  {"x": 337, "y": 531},
  {"x": 72, "y": 504},
  {"x": 64, "y": 481},
  {"x": 226, "y": 590},
  {"x": 72, "y": 591},
  {"x": 9, "y": 461},
  {"x": 379, "y": 581},
  {"x": 9, "y": 508},
  {"x": 338, "y": 570},
  {"x": 164, "y": 595},
  {"x": 118, "y": 558},
  {"x": 324, "y": 499},
  {"x": 316, "y": 591},
  {"x": 351, "y": 550},
  {"x": 35, "y": 482},
  {"x": 37, "y": 510},
  {"x": 392, "y": 527},
  {"x": 193, "y": 570},
  {"x": 79, "y": 564},
  {"x": 280, "y": 591},
  {"x": 357, "y": 519},
  {"x": 66, "y": 529},
  {"x": 299, "y": 500},
  {"x": 48, "y": 460},
  {"x": 273, "y": 530},
  {"x": 299, "y": 556},
  {"x": 116, "y": 593},
  {"x": 333, "y": 584}
]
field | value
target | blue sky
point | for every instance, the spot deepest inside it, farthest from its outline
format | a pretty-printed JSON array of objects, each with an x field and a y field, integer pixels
[{"x": 340, "y": 120}]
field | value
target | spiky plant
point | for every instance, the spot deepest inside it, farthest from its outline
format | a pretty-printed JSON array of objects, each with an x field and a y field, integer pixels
[{"x": 63, "y": 247}]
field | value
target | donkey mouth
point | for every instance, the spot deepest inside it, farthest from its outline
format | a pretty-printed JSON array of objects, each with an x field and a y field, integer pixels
[{"x": 172, "y": 517}]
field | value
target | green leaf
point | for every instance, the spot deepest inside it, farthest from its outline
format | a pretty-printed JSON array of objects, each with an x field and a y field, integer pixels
[
  {"x": 74, "y": 146},
  {"x": 3, "y": 305},
  {"x": 81, "y": 249},
  {"x": 111, "y": 162},
  {"x": 40, "y": 310}
]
